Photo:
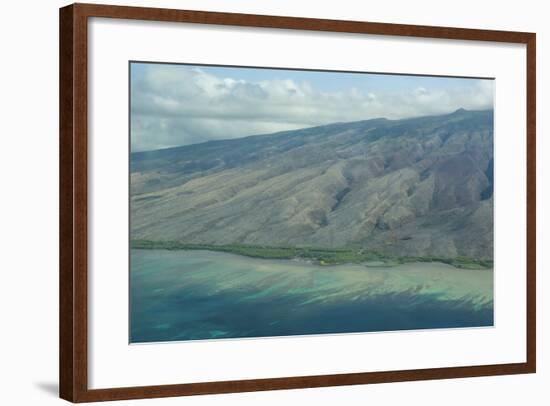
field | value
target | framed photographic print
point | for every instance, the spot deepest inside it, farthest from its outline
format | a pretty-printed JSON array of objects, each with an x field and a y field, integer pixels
[{"x": 256, "y": 202}]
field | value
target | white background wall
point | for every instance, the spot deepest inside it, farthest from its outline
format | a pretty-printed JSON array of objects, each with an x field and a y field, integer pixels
[{"x": 28, "y": 203}]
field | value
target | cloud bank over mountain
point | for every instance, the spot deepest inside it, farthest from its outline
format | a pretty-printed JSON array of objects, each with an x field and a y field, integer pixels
[{"x": 174, "y": 105}]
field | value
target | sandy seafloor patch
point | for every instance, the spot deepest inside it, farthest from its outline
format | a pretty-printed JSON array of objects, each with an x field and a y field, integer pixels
[{"x": 190, "y": 295}]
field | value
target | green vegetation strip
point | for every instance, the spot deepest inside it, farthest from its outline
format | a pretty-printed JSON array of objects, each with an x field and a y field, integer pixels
[{"x": 322, "y": 256}]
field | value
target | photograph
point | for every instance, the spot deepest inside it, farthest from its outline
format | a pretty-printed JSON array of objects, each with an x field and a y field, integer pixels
[
  {"x": 275, "y": 203},
  {"x": 271, "y": 202}
]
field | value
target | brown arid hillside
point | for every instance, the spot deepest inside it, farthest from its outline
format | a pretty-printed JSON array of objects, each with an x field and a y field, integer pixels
[{"x": 414, "y": 187}]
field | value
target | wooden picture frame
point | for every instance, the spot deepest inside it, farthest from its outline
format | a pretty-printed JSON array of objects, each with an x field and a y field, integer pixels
[{"x": 73, "y": 209}]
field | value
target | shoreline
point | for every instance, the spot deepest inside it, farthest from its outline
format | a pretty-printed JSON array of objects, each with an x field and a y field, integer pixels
[{"x": 320, "y": 256}]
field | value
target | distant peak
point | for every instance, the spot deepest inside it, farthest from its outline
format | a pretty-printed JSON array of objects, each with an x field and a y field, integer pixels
[{"x": 460, "y": 110}]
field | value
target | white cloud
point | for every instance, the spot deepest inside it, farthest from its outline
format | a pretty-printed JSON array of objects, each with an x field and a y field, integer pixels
[{"x": 173, "y": 106}]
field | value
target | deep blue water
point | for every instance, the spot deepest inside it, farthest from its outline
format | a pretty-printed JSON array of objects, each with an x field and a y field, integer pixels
[{"x": 191, "y": 295}]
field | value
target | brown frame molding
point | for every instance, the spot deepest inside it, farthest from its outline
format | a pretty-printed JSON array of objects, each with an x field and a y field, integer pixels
[{"x": 73, "y": 361}]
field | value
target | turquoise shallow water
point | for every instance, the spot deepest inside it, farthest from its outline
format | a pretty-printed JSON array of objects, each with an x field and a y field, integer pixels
[{"x": 192, "y": 295}]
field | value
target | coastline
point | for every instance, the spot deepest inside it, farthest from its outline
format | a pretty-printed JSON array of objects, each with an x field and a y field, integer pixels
[{"x": 320, "y": 256}]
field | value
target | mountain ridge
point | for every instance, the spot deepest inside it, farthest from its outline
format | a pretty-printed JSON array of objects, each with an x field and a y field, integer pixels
[{"x": 458, "y": 111}]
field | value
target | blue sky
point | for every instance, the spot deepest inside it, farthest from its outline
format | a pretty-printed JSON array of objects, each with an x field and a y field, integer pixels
[
  {"x": 324, "y": 80},
  {"x": 185, "y": 104}
]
